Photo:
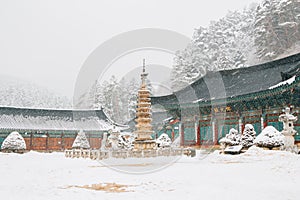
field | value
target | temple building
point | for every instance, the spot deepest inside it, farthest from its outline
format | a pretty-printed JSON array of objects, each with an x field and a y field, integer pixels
[
  {"x": 206, "y": 110},
  {"x": 54, "y": 129}
]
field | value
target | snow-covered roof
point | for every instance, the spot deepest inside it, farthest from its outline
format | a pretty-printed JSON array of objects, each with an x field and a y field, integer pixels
[
  {"x": 12, "y": 118},
  {"x": 235, "y": 82},
  {"x": 289, "y": 81}
]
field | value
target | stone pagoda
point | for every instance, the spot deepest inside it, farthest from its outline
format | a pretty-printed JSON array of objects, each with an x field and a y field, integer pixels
[{"x": 143, "y": 131}]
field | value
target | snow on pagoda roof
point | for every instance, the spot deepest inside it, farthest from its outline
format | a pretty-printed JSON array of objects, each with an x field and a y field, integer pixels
[{"x": 12, "y": 118}]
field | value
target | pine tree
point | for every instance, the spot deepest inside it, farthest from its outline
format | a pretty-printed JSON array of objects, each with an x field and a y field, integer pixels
[
  {"x": 118, "y": 99},
  {"x": 132, "y": 98},
  {"x": 248, "y": 136},
  {"x": 115, "y": 98},
  {"x": 265, "y": 37},
  {"x": 223, "y": 45},
  {"x": 177, "y": 74},
  {"x": 232, "y": 138},
  {"x": 117, "y": 104},
  {"x": 98, "y": 97},
  {"x": 92, "y": 93},
  {"x": 276, "y": 27}
]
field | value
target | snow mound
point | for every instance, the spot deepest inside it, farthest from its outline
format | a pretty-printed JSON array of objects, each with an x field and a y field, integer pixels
[
  {"x": 269, "y": 137},
  {"x": 81, "y": 141},
  {"x": 232, "y": 138},
  {"x": 255, "y": 151},
  {"x": 14, "y": 141},
  {"x": 253, "y": 154}
]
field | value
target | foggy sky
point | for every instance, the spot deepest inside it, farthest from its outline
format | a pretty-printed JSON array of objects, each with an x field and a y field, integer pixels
[{"x": 46, "y": 42}]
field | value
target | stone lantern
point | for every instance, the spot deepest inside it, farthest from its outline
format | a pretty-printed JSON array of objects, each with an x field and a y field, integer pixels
[
  {"x": 288, "y": 130},
  {"x": 113, "y": 138}
]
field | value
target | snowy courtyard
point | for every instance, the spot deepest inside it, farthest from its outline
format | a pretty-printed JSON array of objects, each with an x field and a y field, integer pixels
[{"x": 256, "y": 174}]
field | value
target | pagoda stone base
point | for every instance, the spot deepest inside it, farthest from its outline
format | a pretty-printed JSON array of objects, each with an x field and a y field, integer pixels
[{"x": 144, "y": 144}]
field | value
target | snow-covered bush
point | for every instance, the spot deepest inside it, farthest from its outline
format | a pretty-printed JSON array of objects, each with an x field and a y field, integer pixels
[
  {"x": 81, "y": 141},
  {"x": 248, "y": 136},
  {"x": 113, "y": 138},
  {"x": 232, "y": 138},
  {"x": 14, "y": 141},
  {"x": 269, "y": 137},
  {"x": 163, "y": 140},
  {"x": 126, "y": 140}
]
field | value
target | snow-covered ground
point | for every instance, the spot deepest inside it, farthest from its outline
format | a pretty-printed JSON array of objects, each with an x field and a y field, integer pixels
[{"x": 256, "y": 174}]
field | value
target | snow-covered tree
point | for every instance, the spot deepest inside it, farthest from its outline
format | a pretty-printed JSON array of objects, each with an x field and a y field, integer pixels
[
  {"x": 19, "y": 93},
  {"x": 177, "y": 74},
  {"x": 117, "y": 98},
  {"x": 108, "y": 90},
  {"x": 120, "y": 99},
  {"x": 126, "y": 140},
  {"x": 241, "y": 38},
  {"x": 91, "y": 98},
  {"x": 269, "y": 137},
  {"x": 133, "y": 87},
  {"x": 225, "y": 44},
  {"x": 276, "y": 27},
  {"x": 117, "y": 104},
  {"x": 81, "y": 141},
  {"x": 14, "y": 141},
  {"x": 232, "y": 138},
  {"x": 92, "y": 95},
  {"x": 248, "y": 136}
]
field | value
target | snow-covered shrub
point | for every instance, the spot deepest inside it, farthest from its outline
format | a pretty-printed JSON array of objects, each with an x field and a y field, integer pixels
[
  {"x": 232, "y": 138},
  {"x": 113, "y": 138},
  {"x": 269, "y": 137},
  {"x": 81, "y": 141},
  {"x": 248, "y": 136},
  {"x": 126, "y": 140},
  {"x": 14, "y": 141},
  {"x": 163, "y": 140}
]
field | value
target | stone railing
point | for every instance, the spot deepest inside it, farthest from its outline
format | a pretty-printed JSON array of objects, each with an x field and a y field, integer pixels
[{"x": 104, "y": 154}]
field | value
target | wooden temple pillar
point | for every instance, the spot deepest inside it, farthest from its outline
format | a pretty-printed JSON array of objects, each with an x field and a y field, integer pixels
[
  {"x": 241, "y": 128},
  {"x": 62, "y": 141},
  {"x": 243, "y": 120},
  {"x": 31, "y": 141},
  {"x": 173, "y": 135},
  {"x": 198, "y": 138},
  {"x": 181, "y": 128},
  {"x": 265, "y": 121},
  {"x": 215, "y": 131},
  {"x": 47, "y": 141},
  {"x": 197, "y": 130}
]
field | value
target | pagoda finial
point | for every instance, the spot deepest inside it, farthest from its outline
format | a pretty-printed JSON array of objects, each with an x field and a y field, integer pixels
[
  {"x": 144, "y": 74},
  {"x": 144, "y": 66}
]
